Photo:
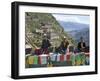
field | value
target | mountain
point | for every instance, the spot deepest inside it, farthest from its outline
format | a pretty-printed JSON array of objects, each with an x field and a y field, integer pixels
[
  {"x": 82, "y": 33},
  {"x": 69, "y": 26},
  {"x": 76, "y": 30}
]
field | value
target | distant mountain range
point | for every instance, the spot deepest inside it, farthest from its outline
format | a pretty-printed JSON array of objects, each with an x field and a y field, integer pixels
[
  {"x": 70, "y": 26},
  {"x": 82, "y": 33},
  {"x": 76, "y": 30}
]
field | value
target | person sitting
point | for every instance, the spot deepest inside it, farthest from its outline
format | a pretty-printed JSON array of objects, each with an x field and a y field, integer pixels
[
  {"x": 81, "y": 45},
  {"x": 63, "y": 46},
  {"x": 45, "y": 45}
]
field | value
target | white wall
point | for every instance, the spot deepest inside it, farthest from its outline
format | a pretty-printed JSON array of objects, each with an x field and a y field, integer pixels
[{"x": 5, "y": 40}]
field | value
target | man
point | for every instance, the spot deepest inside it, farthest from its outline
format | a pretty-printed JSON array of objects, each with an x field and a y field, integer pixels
[
  {"x": 81, "y": 45},
  {"x": 45, "y": 45}
]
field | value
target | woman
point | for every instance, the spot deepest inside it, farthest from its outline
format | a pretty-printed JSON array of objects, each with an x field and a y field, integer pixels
[{"x": 63, "y": 46}]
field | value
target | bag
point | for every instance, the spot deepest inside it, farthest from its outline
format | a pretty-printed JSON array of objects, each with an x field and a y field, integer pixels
[
  {"x": 72, "y": 58},
  {"x": 30, "y": 60},
  {"x": 53, "y": 57},
  {"x": 68, "y": 57},
  {"x": 35, "y": 59},
  {"x": 63, "y": 57},
  {"x": 87, "y": 60},
  {"x": 58, "y": 57},
  {"x": 83, "y": 58},
  {"x": 78, "y": 59},
  {"x": 43, "y": 59}
]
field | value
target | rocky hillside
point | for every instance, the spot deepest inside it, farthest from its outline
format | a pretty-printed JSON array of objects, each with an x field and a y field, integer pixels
[{"x": 39, "y": 24}]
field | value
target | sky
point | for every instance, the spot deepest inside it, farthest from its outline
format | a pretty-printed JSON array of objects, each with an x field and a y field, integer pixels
[{"x": 84, "y": 19}]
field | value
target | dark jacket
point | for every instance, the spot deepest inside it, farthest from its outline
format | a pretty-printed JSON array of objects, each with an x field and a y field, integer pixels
[
  {"x": 45, "y": 44},
  {"x": 79, "y": 46},
  {"x": 64, "y": 47}
]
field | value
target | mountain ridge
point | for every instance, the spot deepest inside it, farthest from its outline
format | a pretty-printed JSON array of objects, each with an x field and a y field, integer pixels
[{"x": 69, "y": 25}]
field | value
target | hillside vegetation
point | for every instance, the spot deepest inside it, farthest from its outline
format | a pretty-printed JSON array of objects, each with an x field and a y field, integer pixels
[{"x": 37, "y": 24}]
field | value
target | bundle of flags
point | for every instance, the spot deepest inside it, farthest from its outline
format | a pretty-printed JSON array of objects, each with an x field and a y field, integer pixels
[
  {"x": 75, "y": 58},
  {"x": 60, "y": 57}
]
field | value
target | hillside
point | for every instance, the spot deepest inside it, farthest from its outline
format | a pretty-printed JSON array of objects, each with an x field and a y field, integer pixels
[{"x": 38, "y": 24}]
